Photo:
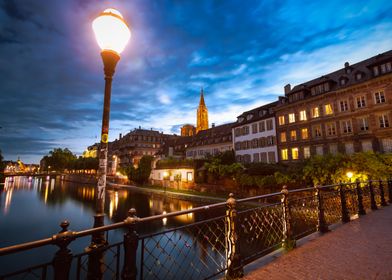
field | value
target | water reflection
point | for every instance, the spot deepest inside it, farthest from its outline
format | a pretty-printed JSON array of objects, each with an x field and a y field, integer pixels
[
  {"x": 31, "y": 208},
  {"x": 57, "y": 192}
]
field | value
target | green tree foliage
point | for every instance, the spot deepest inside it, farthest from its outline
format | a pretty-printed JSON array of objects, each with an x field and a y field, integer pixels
[
  {"x": 141, "y": 174},
  {"x": 60, "y": 159}
]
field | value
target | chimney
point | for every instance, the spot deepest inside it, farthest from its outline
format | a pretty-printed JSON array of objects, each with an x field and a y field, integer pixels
[
  {"x": 346, "y": 64},
  {"x": 120, "y": 136},
  {"x": 212, "y": 125},
  {"x": 287, "y": 89}
]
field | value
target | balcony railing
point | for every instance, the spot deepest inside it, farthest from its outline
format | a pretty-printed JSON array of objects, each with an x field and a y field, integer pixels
[{"x": 233, "y": 234}]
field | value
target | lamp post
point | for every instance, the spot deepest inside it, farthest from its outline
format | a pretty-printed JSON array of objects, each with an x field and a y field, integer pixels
[{"x": 112, "y": 34}]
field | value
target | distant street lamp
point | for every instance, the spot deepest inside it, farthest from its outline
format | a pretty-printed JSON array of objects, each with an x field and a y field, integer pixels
[
  {"x": 112, "y": 34},
  {"x": 349, "y": 175}
]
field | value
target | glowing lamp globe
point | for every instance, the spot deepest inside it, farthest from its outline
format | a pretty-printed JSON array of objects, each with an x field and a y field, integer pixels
[{"x": 111, "y": 31}]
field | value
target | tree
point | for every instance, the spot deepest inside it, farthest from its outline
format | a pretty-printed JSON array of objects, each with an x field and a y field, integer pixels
[
  {"x": 59, "y": 159},
  {"x": 141, "y": 174}
]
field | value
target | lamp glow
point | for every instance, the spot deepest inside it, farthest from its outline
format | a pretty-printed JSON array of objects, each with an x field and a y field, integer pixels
[
  {"x": 111, "y": 31},
  {"x": 349, "y": 174}
]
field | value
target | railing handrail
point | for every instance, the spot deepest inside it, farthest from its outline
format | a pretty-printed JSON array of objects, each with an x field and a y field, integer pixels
[{"x": 126, "y": 222}]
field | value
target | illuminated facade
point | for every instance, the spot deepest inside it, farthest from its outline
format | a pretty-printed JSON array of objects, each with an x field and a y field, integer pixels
[
  {"x": 202, "y": 114},
  {"x": 188, "y": 130},
  {"x": 346, "y": 111}
]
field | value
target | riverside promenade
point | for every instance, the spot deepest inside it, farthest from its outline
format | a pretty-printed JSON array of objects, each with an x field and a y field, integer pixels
[{"x": 360, "y": 249}]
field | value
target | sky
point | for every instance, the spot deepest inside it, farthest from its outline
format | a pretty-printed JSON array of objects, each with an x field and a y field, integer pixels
[{"x": 241, "y": 52}]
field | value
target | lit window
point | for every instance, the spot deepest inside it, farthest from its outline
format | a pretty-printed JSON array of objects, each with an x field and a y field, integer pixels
[
  {"x": 328, "y": 109},
  {"x": 304, "y": 133},
  {"x": 317, "y": 131},
  {"x": 379, "y": 97},
  {"x": 306, "y": 152},
  {"x": 283, "y": 137},
  {"x": 284, "y": 154},
  {"x": 293, "y": 135},
  {"x": 302, "y": 115},
  {"x": 291, "y": 118},
  {"x": 343, "y": 105},
  {"x": 361, "y": 101},
  {"x": 384, "y": 122},
  {"x": 294, "y": 153},
  {"x": 315, "y": 112},
  {"x": 346, "y": 126},
  {"x": 331, "y": 129},
  {"x": 363, "y": 123},
  {"x": 281, "y": 120}
]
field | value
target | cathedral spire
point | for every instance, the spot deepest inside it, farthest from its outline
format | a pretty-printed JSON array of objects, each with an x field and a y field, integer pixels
[
  {"x": 202, "y": 114},
  {"x": 201, "y": 103}
]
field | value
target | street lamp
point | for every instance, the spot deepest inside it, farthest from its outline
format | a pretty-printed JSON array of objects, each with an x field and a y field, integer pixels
[
  {"x": 112, "y": 34},
  {"x": 349, "y": 175}
]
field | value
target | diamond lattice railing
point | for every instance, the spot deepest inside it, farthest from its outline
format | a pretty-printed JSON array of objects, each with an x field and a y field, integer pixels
[
  {"x": 191, "y": 252},
  {"x": 351, "y": 199},
  {"x": 332, "y": 206},
  {"x": 366, "y": 196},
  {"x": 261, "y": 230},
  {"x": 304, "y": 214}
]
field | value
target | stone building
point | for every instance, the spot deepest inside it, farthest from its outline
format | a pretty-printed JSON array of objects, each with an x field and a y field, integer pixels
[
  {"x": 212, "y": 141},
  {"x": 254, "y": 135},
  {"x": 202, "y": 114},
  {"x": 188, "y": 130},
  {"x": 345, "y": 111},
  {"x": 130, "y": 148}
]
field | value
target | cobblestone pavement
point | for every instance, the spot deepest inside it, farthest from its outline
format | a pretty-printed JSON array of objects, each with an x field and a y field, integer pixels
[{"x": 361, "y": 249}]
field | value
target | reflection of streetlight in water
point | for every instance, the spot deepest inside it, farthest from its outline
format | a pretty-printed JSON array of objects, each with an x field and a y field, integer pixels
[{"x": 164, "y": 220}]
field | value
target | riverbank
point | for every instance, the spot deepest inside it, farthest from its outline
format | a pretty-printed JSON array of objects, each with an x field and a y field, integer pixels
[{"x": 183, "y": 195}]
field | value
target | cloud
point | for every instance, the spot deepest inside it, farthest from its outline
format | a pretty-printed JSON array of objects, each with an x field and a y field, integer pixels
[{"x": 52, "y": 77}]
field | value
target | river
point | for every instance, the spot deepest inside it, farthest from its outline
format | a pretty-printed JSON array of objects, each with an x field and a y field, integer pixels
[{"x": 32, "y": 208}]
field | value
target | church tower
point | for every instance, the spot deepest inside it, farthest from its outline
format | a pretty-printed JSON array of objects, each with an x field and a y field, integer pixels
[{"x": 202, "y": 114}]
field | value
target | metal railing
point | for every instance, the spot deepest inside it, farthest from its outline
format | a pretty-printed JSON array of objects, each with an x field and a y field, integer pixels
[{"x": 235, "y": 233}]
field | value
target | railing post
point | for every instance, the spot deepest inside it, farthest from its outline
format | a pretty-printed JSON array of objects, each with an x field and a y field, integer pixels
[
  {"x": 63, "y": 257},
  {"x": 288, "y": 240},
  {"x": 373, "y": 204},
  {"x": 390, "y": 190},
  {"x": 382, "y": 194},
  {"x": 131, "y": 239},
  {"x": 233, "y": 256},
  {"x": 361, "y": 209},
  {"x": 321, "y": 224},
  {"x": 345, "y": 215}
]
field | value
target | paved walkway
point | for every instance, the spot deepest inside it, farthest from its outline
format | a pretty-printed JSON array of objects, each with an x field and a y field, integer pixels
[{"x": 361, "y": 249}]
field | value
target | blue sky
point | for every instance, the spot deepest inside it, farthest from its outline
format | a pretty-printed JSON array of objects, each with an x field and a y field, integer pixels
[{"x": 241, "y": 52}]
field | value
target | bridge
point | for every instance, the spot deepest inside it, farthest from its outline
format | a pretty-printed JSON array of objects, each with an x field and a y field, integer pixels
[{"x": 232, "y": 235}]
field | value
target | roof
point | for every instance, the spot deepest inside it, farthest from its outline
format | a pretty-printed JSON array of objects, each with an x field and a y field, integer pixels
[
  {"x": 364, "y": 67},
  {"x": 213, "y": 135},
  {"x": 263, "y": 112}
]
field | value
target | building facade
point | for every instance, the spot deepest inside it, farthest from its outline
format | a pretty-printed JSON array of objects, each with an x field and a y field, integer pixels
[
  {"x": 130, "y": 148},
  {"x": 210, "y": 142},
  {"x": 346, "y": 111},
  {"x": 202, "y": 114},
  {"x": 254, "y": 135},
  {"x": 188, "y": 130}
]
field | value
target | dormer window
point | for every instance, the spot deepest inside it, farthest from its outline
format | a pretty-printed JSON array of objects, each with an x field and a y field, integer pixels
[
  {"x": 262, "y": 112},
  {"x": 321, "y": 88},
  {"x": 382, "y": 68},
  {"x": 240, "y": 119},
  {"x": 249, "y": 117},
  {"x": 343, "y": 81},
  {"x": 358, "y": 76}
]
